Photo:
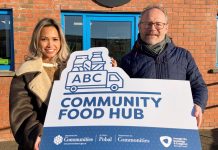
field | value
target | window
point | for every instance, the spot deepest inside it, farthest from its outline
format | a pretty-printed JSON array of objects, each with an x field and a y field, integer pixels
[
  {"x": 6, "y": 40},
  {"x": 113, "y": 77},
  {"x": 115, "y": 31},
  {"x": 74, "y": 32}
]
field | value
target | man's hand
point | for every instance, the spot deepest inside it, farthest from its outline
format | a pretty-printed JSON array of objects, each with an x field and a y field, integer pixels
[
  {"x": 198, "y": 114},
  {"x": 36, "y": 145}
]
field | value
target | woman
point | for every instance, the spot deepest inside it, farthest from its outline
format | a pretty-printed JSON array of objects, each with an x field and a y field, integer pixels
[{"x": 31, "y": 86}]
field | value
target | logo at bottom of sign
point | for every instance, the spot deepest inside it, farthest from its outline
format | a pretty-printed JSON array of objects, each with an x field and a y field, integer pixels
[{"x": 116, "y": 137}]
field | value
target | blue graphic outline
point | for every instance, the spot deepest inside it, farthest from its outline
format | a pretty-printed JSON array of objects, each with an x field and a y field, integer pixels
[
  {"x": 89, "y": 72},
  {"x": 117, "y": 92}
]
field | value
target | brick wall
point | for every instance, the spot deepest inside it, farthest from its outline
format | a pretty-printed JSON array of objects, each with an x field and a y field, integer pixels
[
  {"x": 4, "y": 109},
  {"x": 192, "y": 26}
]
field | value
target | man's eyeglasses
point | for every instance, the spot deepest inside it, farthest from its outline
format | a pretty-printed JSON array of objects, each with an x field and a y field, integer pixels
[{"x": 157, "y": 25}]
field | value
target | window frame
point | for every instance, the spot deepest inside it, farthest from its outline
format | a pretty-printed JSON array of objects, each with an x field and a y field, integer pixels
[
  {"x": 133, "y": 17},
  {"x": 217, "y": 41},
  {"x": 11, "y": 65}
]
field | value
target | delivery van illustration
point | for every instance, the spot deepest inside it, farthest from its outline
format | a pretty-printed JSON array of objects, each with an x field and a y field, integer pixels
[{"x": 90, "y": 73}]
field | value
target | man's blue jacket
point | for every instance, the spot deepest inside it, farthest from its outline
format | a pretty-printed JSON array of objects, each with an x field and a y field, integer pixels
[{"x": 173, "y": 63}]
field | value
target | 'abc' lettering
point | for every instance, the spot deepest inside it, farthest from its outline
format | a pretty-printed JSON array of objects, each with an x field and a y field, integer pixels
[{"x": 87, "y": 78}]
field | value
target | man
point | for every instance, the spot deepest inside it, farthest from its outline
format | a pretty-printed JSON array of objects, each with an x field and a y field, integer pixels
[{"x": 155, "y": 56}]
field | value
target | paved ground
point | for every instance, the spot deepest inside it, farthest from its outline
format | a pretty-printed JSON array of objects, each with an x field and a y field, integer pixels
[
  {"x": 209, "y": 140},
  {"x": 10, "y": 145}
]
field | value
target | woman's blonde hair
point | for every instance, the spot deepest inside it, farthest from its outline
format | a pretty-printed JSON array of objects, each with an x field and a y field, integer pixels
[{"x": 34, "y": 49}]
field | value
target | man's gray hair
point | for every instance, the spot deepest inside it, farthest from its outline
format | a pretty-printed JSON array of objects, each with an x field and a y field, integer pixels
[{"x": 160, "y": 7}]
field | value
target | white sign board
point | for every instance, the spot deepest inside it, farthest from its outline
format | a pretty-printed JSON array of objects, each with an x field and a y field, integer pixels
[{"x": 97, "y": 106}]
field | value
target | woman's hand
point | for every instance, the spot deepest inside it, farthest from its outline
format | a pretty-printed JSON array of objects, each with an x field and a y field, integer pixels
[
  {"x": 113, "y": 62},
  {"x": 38, "y": 141}
]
